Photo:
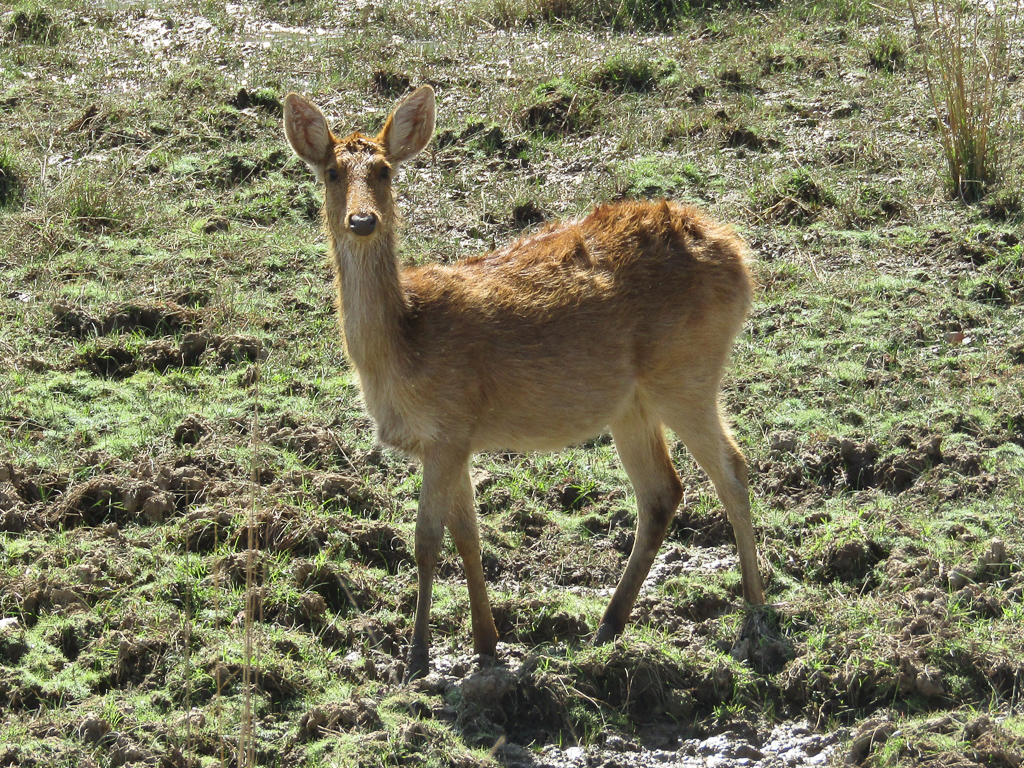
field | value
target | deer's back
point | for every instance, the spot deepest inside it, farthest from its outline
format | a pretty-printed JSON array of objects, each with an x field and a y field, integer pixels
[{"x": 628, "y": 267}]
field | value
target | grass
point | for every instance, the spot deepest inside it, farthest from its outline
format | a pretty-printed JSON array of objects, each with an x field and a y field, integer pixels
[
  {"x": 171, "y": 381},
  {"x": 10, "y": 180},
  {"x": 967, "y": 55}
]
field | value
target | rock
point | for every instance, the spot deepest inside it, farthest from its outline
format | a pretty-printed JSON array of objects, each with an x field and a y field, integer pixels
[
  {"x": 748, "y": 752},
  {"x": 619, "y": 744}
]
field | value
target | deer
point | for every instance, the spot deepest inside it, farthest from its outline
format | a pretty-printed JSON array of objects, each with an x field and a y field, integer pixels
[{"x": 623, "y": 320}]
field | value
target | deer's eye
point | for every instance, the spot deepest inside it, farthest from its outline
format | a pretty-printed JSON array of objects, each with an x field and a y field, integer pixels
[
  {"x": 385, "y": 172},
  {"x": 332, "y": 174}
]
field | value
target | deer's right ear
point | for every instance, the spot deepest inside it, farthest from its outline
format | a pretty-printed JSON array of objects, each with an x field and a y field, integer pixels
[{"x": 307, "y": 132}]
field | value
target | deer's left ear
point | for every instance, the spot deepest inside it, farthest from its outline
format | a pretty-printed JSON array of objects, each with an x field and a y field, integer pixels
[{"x": 409, "y": 127}]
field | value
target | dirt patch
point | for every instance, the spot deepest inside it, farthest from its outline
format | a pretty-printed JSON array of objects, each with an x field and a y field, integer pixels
[
  {"x": 153, "y": 319},
  {"x": 270, "y": 680},
  {"x": 842, "y": 465},
  {"x": 316, "y": 446},
  {"x": 690, "y": 527},
  {"x": 570, "y": 496},
  {"x": 850, "y": 561},
  {"x": 527, "y": 214},
  {"x": 192, "y": 430},
  {"x": 737, "y": 136},
  {"x": 109, "y": 362},
  {"x": 339, "y": 592},
  {"x": 280, "y": 530},
  {"x": 762, "y": 642}
]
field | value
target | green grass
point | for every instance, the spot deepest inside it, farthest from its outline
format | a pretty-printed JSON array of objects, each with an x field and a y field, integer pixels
[{"x": 156, "y": 212}]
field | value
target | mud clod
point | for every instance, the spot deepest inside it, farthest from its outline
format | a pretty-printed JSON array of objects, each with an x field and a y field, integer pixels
[
  {"x": 12, "y": 641},
  {"x": 154, "y": 319},
  {"x": 108, "y": 499},
  {"x": 93, "y": 728},
  {"x": 240, "y": 349},
  {"x": 486, "y": 688},
  {"x": 110, "y": 361},
  {"x": 870, "y": 736},
  {"x": 380, "y": 546},
  {"x": 556, "y": 113},
  {"x": 192, "y": 430},
  {"x": 337, "y": 491},
  {"x": 160, "y": 355},
  {"x": 762, "y": 644},
  {"x": 534, "y": 623},
  {"x": 570, "y": 496}
]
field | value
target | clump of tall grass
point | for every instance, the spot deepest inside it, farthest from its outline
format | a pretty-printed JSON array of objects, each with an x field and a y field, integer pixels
[
  {"x": 967, "y": 49},
  {"x": 624, "y": 73},
  {"x": 34, "y": 25},
  {"x": 10, "y": 179},
  {"x": 887, "y": 52},
  {"x": 619, "y": 14},
  {"x": 96, "y": 205}
]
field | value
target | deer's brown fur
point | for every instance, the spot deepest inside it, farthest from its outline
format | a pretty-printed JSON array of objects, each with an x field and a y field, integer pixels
[{"x": 624, "y": 319}]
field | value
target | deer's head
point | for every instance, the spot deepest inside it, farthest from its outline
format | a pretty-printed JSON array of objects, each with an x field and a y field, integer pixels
[{"x": 357, "y": 170}]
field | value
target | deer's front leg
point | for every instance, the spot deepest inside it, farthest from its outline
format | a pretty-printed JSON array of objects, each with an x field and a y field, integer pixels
[
  {"x": 463, "y": 527},
  {"x": 446, "y": 498},
  {"x": 429, "y": 535}
]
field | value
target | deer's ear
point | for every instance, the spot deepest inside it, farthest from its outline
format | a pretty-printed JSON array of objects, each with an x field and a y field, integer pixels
[
  {"x": 410, "y": 126},
  {"x": 307, "y": 132}
]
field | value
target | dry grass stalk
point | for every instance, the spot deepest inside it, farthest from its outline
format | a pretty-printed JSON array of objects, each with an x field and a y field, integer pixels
[{"x": 966, "y": 62}]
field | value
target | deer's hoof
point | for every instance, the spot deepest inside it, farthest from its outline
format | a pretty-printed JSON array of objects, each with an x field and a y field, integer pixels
[
  {"x": 419, "y": 664},
  {"x": 605, "y": 634}
]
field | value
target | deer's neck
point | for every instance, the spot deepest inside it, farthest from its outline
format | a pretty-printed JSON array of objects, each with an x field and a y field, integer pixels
[{"x": 371, "y": 304}]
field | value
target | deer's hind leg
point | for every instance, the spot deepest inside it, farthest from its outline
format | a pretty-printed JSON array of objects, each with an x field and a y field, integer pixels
[
  {"x": 640, "y": 442},
  {"x": 712, "y": 446}
]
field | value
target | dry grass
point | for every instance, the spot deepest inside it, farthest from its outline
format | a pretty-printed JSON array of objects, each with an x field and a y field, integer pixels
[{"x": 967, "y": 52}]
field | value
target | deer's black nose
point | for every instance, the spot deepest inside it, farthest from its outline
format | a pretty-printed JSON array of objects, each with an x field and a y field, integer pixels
[{"x": 362, "y": 224}]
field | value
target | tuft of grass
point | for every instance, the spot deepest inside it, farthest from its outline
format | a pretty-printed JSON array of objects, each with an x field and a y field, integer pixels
[
  {"x": 95, "y": 206},
  {"x": 559, "y": 107},
  {"x": 619, "y": 14},
  {"x": 34, "y": 25},
  {"x": 967, "y": 55},
  {"x": 888, "y": 52},
  {"x": 11, "y": 186},
  {"x": 625, "y": 73}
]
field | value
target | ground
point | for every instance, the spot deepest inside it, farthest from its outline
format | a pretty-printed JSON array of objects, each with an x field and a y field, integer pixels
[{"x": 206, "y": 559}]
